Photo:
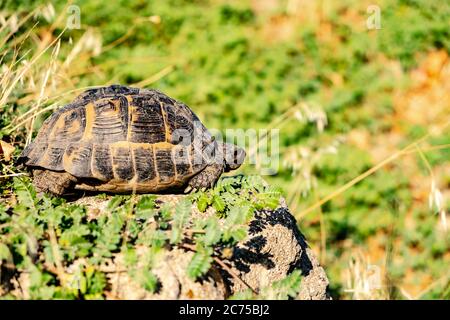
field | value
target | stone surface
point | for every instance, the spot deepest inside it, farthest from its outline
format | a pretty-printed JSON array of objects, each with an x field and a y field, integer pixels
[
  {"x": 274, "y": 248},
  {"x": 175, "y": 284}
]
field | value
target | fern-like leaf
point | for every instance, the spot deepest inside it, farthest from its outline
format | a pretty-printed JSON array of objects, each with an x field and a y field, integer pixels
[
  {"x": 201, "y": 262},
  {"x": 180, "y": 218}
]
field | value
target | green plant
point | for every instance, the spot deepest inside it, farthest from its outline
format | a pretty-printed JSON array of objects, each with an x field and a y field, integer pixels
[{"x": 45, "y": 236}]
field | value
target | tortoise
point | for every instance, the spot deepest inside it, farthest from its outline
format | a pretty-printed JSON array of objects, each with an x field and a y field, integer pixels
[{"x": 120, "y": 139}]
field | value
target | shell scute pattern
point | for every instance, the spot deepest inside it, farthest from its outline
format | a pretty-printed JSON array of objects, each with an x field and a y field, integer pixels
[
  {"x": 105, "y": 123},
  {"x": 145, "y": 169},
  {"x": 101, "y": 162},
  {"x": 122, "y": 163},
  {"x": 77, "y": 159},
  {"x": 165, "y": 165},
  {"x": 147, "y": 121},
  {"x": 122, "y": 137},
  {"x": 183, "y": 164}
]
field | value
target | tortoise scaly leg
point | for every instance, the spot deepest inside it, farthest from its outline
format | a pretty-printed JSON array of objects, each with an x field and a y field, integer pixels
[
  {"x": 56, "y": 183},
  {"x": 207, "y": 178}
]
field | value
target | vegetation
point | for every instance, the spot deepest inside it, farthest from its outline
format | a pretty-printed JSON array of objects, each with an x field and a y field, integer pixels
[
  {"x": 363, "y": 118},
  {"x": 44, "y": 235}
]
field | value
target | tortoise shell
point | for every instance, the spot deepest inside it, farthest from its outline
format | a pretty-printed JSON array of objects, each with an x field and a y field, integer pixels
[{"x": 120, "y": 138}]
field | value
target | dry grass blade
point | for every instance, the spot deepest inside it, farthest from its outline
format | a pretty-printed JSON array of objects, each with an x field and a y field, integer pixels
[
  {"x": 21, "y": 23},
  {"x": 361, "y": 177},
  {"x": 42, "y": 89},
  {"x": 157, "y": 76},
  {"x": 57, "y": 256},
  {"x": 13, "y": 175},
  {"x": 25, "y": 69},
  {"x": 276, "y": 123}
]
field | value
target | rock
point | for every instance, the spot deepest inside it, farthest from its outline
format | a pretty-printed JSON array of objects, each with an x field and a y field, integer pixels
[
  {"x": 174, "y": 283},
  {"x": 273, "y": 248}
]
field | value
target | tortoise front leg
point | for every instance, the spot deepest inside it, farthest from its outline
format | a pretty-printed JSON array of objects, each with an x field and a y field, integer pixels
[
  {"x": 206, "y": 178},
  {"x": 56, "y": 183}
]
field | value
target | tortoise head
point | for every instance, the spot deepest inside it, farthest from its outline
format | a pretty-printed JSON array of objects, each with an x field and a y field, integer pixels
[{"x": 234, "y": 156}]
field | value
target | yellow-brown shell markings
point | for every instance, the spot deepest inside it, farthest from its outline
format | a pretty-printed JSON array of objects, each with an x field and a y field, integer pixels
[{"x": 122, "y": 141}]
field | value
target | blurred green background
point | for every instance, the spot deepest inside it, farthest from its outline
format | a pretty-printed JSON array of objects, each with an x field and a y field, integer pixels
[{"x": 344, "y": 96}]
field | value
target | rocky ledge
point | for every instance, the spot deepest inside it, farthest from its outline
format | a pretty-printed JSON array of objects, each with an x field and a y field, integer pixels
[
  {"x": 204, "y": 251},
  {"x": 273, "y": 248}
]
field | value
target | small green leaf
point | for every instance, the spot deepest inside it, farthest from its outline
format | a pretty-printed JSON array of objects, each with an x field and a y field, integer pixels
[
  {"x": 25, "y": 193},
  {"x": 218, "y": 203},
  {"x": 175, "y": 235},
  {"x": 203, "y": 202},
  {"x": 201, "y": 262},
  {"x": 237, "y": 215},
  {"x": 285, "y": 288},
  {"x": 181, "y": 217},
  {"x": 213, "y": 234},
  {"x": 5, "y": 254},
  {"x": 3, "y": 215},
  {"x": 246, "y": 294},
  {"x": 114, "y": 203},
  {"x": 130, "y": 257},
  {"x": 145, "y": 207},
  {"x": 149, "y": 281}
]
